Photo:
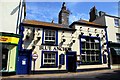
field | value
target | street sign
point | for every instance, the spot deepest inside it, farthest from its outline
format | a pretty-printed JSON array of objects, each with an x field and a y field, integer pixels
[{"x": 35, "y": 56}]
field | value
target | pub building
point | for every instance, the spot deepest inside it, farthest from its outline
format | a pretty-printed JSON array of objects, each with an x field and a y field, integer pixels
[{"x": 51, "y": 47}]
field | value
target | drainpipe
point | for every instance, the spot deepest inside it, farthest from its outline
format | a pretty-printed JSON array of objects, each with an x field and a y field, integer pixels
[
  {"x": 18, "y": 17},
  {"x": 20, "y": 14},
  {"x": 107, "y": 48}
]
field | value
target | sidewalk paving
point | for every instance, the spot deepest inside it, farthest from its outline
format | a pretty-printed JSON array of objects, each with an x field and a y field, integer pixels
[{"x": 94, "y": 75}]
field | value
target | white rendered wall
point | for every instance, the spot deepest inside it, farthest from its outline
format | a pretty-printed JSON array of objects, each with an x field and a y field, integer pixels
[
  {"x": 68, "y": 36},
  {"x": 92, "y": 31},
  {"x": 8, "y": 16},
  {"x": 28, "y": 45},
  {"x": 111, "y": 29}
]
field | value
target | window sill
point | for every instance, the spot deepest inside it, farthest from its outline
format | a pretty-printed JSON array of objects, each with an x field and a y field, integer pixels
[
  {"x": 117, "y": 26},
  {"x": 49, "y": 66},
  {"x": 90, "y": 63}
]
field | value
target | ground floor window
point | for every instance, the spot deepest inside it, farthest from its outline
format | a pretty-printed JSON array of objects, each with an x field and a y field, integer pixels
[
  {"x": 115, "y": 52},
  {"x": 90, "y": 50},
  {"x": 49, "y": 59}
]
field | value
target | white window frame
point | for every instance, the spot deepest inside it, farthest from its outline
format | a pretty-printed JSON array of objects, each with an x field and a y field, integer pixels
[
  {"x": 85, "y": 54},
  {"x": 49, "y": 58},
  {"x": 49, "y": 36}
]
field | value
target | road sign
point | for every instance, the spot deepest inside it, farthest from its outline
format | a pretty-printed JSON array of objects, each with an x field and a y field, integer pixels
[{"x": 35, "y": 56}]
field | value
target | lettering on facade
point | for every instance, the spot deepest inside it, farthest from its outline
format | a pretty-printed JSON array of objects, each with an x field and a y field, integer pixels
[
  {"x": 3, "y": 39},
  {"x": 52, "y": 48}
]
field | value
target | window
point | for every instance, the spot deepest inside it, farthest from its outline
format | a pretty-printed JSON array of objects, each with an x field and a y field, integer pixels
[
  {"x": 90, "y": 50},
  {"x": 116, "y": 21},
  {"x": 50, "y": 37},
  {"x": 118, "y": 37},
  {"x": 49, "y": 59}
]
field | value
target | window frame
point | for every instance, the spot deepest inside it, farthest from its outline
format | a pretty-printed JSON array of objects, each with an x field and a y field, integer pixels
[
  {"x": 116, "y": 23},
  {"x": 48, "y": 65},
  {"x": 44, "y": 35},
  {"x": 118, "y": 38},
  {"x": 95, "y": 54}
]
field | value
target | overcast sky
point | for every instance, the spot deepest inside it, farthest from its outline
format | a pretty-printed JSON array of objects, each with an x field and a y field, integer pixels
[{"x": 46, "y": 11}]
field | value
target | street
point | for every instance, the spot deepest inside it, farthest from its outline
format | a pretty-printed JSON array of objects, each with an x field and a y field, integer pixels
[{"x": 87, "y": 75}]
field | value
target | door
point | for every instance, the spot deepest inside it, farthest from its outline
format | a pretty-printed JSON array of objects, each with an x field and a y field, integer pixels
[
  {"x": 23, "y": 62},
  {"x": 4, "y": 58},
  {"x": 71, "y": 61}
]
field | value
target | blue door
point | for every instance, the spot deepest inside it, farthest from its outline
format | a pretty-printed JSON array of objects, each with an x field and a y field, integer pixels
[
  {"x": 23, "y": 62},
  {"x": 71, "y": 61}
]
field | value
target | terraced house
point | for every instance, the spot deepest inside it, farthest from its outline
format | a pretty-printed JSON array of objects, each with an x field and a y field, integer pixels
[
  {"x": 113, "y": 31},
  {"x": 52, "y": 47}
]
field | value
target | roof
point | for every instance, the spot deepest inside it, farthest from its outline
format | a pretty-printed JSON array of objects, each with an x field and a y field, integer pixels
[
  {"x": 9, "y": 34},
  {"x": 84, "y": 22},
  {"x": 107, "y": 16},
  {"x": 41, "y": 24},
  {"x": 112, "y": 16}
]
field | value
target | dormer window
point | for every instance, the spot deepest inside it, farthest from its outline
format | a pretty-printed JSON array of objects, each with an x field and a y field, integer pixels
[{"x": 116, "y": 21}]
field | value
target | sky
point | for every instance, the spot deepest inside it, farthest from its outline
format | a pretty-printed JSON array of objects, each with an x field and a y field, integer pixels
[{"x": 48, "y": 11}]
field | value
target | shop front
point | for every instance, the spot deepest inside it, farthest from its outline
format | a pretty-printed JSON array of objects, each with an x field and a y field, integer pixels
[
  {"x": 9, "y": 42},
  {"x": 115, "y": 54}
]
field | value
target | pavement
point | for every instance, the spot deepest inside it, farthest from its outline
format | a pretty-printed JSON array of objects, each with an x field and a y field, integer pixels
[{"x": 107, "y": 74}]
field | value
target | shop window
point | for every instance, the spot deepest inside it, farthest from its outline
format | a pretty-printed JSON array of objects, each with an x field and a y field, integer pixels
[
  {"x": 50, "y": 37},
  {"x": 49, "y": 59},
  {"x": 118, "y": 38},
  {"x": 90, "y": 50}
]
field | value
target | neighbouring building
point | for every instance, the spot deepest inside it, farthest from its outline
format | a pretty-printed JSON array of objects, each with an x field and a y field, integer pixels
[
  {"x": 57, "y": 47},
  {"x": 113, "y": 32},
  {"x": 9, "y": 42},
  {"x": 12, "y": 14}
]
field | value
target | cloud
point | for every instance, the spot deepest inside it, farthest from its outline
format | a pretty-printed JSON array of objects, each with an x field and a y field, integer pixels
[{"x": 77, "y": 16}]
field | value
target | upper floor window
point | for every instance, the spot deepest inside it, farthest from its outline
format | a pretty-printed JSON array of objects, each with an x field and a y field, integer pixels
[
  {"x": 116, "y": 21},
  {"x": 50, "y": 37}
]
